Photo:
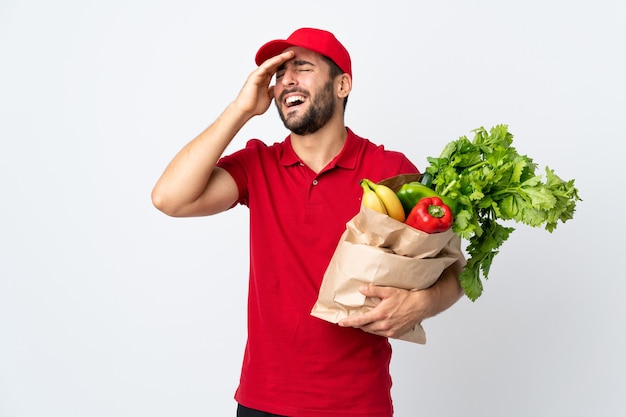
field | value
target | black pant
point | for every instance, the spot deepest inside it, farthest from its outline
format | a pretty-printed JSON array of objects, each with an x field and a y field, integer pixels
[{"x": 249, "y": 412}]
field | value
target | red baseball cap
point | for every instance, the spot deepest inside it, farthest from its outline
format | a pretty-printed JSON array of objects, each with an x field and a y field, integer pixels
[{"x": 316, "y": 40}]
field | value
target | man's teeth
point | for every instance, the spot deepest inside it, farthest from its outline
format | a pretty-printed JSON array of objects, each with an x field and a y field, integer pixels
[{"x": 294, "y": 100}]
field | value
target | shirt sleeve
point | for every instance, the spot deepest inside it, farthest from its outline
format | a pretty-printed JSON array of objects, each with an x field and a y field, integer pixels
[
  {"x": 240, "y": 165},
  {"x": 407, "y": 167}
]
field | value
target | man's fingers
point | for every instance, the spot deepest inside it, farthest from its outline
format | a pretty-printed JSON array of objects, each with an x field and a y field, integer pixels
[
  {"x": 358, "y": 320},
  {"x": 375, "y": 291},
  {"x": 272, "y": 64}
]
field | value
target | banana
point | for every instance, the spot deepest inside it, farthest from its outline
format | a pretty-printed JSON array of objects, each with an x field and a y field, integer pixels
[
  {"x": 393, "y": 205},
  {"x": 371, "y": 200}
]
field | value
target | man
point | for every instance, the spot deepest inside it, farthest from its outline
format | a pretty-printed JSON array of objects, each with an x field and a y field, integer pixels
[{"x": 300, "y": 193}]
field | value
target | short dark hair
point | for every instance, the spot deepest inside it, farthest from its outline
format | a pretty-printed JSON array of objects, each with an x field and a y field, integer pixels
[{"x": 334, "y": 72}]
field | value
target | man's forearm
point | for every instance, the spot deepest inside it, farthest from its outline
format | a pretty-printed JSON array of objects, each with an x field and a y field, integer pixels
[
  {"x": 446, "y": 291},
  {"x": 187, "y": 175}
]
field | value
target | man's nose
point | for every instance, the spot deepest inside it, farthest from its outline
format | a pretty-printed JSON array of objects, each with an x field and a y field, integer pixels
[{"x": 289, "y": 77}]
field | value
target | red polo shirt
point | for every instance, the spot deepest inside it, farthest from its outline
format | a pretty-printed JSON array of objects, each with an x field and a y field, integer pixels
[{"x": 296, "y": 364}]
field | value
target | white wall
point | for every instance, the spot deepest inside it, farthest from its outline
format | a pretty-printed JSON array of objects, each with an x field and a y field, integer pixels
[{"x": 110, "y": 308}]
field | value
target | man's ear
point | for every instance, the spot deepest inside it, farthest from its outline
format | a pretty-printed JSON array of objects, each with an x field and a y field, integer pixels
[{"x": 344, "y": 85}]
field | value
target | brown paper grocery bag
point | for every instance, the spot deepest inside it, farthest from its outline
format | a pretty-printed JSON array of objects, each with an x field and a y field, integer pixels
[{"x": 376, "y": 249}]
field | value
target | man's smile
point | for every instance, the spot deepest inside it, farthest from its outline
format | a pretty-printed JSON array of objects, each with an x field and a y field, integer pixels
[{"x": 294, "y": 100}]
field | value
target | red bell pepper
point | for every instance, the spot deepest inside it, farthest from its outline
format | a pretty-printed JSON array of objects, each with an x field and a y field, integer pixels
[{"x": 430, "y": 215}]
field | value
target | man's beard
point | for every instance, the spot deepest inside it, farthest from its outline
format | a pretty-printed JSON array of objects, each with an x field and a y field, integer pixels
[{"x": 320, "y": 111}]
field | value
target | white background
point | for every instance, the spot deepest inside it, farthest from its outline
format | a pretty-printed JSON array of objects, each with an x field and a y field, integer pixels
[{"x": 110, "y": 308}]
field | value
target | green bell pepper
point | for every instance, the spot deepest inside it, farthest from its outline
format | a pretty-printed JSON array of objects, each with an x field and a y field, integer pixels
[{"x": 412, "y": 192}]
